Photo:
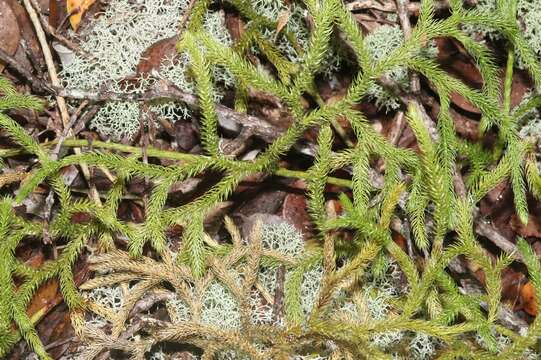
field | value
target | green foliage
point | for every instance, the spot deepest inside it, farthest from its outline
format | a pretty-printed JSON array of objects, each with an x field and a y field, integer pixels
[
  {"x": 527, "y": 12},
  {"x": 323, "y": 284}
]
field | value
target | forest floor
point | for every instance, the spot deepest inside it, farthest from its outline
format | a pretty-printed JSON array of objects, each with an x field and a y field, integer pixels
[{"x": 37, "y": 38}]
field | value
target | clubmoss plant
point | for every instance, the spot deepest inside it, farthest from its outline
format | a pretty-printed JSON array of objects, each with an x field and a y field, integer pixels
[
  {"x": 218, "y": 301},
  {"x": 527, "y": 16},
  {"x": 420, "y": 184},
  {"x": 530, "y": 121}
]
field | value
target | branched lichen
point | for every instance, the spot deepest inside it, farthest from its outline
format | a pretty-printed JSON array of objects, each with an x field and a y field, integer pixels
[
  {"x": 379, "y": 43},
  {"x": 117, "y": 39},
  {"x": 528, "y": 19}
]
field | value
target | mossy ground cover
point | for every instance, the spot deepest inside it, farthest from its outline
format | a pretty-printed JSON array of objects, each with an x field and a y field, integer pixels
[{"x": 279, "y": 180}]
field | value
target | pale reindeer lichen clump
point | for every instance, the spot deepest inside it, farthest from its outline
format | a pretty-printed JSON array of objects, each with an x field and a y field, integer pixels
[{"x": 116, "y": 41}]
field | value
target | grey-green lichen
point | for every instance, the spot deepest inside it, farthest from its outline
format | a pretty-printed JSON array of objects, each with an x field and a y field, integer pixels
[
  {"x": 116, "y": 40},
  {"x": 528, "y": 17}
]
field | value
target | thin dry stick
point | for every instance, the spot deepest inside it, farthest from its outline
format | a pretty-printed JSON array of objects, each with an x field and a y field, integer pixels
[
  {"x": 37, "y": 84},
  {"x": 45, "y": 24},
  {"x": 403, "y": 16},
  {"x": 48, "y": 60},
  {"x": 398, "y": 128},
  {"x": 228, "y": 118},
  {"x": 61, "y": 102},
  {"x": 67, "y": 129},
  {"x": 384, "y": 6}
]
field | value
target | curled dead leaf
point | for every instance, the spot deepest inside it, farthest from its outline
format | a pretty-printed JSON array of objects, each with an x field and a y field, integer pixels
[
  {"x": 295, "y": 211},
  {"x": 283, "y": 18},
  {"x": 527, "y": 296},
  {"x": 9, "y": 30},
  {"x": 531, "y": 229},
  {"x": 76, "y": 10}
]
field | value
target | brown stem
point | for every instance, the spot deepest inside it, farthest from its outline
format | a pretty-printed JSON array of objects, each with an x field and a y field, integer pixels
[
  {"x": 404, "y": 17},
  {"x": 228, "y": 119},
  {"x": 38, "y": 85}
]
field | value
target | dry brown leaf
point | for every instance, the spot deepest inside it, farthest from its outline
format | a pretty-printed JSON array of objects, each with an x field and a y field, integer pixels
[
  {"x": 283, "y": 18},
  {"x": 235, "y": 26},
  {"x": 532, "y": 229},
  {"x": 529, "y": 302},
  {"x": 47, "y": 297},
  {"x": 295, "y": 211},
  {"x": 9, "y": 30},
  {"x": 153, "y": 56},
  {"x": 57, "y": 11},
  {"x": 77, "y": 8},
  {"x": 28, "y": 34}
]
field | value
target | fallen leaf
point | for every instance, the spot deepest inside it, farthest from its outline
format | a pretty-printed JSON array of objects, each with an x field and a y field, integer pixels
[
  {"x": 512, "y": 281},
  {"x": 262, "y": 202},
  {"x": 283, "y": 18},
  {"x": 47, "y": 297},
  {"x": 185, "y": 134},
  {"x": 400, "y": 240},
  {"x": 235, "y": 26},
  {"x": 270, "y": 108},
  {"x": 28, "y": 34},
  {"x": 295, "y": 212},
  {"x": 455, "y": 60},
  {"x": 463, "y": 103},
  {"x": 520, "y": 86},
  {"x": 77, "y": 8},
  {"x": 81, "y": 218},
  {"x": 36, "y": 260},
  {"x": 465, "y": 126},
  {"x": 9, "y": 31},
  {"x": 152, "y": 58},
  {"x": 527, "y": 295},
  {"x": 532, "y": 229},
  {"x": 57, "y": 9}
]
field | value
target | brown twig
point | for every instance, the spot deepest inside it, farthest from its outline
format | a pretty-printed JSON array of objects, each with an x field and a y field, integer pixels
[
  {"x": 278, "y": 302},
  {"x": 186, "y": 16},
  {"x": 82, "y": 120},
  {"x": 398, "y": 127},
  {"x": 48, "y": 59},
  {"x": 390, "y": 6},
  {"x": 54, "y": 33},
  {"x": 37, "y": 84},
  {"x": 491, "y": 233},
  {"x": 61, "y": 102},
  {"x": 35, "y": 61},
  {"x": 67, "y": 129},
  {"x": 404, "y": 17},
  {"x": 149, "y": 300},
  {"x": 60, "y": 342},
  {"x": 228, "y": 119}
]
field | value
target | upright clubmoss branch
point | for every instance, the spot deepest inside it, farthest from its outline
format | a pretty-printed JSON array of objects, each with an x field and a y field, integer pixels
[{"x": 508, "y": 81}]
